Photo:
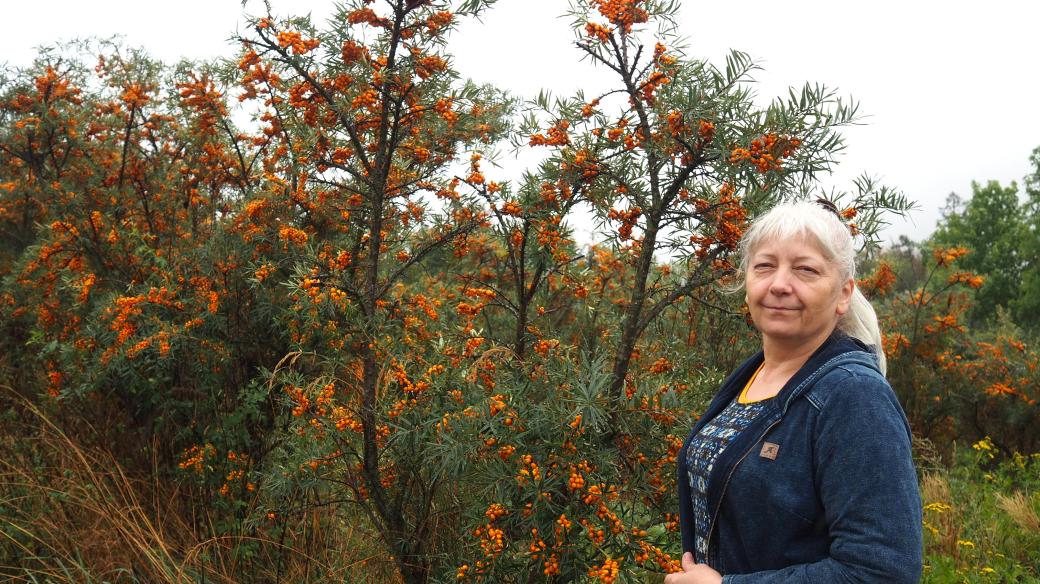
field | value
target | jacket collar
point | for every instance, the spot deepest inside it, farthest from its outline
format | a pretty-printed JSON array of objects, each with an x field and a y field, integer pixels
[{"x": 838, "y": 349}]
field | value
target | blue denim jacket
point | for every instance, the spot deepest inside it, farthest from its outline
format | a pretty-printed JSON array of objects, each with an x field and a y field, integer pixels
[{"x": 821, "y": 487}]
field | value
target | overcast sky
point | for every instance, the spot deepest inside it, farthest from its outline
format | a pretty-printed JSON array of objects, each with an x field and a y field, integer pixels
[{"x": 949, "y": 89}]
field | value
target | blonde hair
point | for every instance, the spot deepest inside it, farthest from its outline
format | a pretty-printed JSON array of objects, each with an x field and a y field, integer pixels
[{"x": 804, "y": 219}]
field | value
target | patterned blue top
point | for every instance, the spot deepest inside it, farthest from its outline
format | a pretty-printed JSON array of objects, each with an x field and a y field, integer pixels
[{"x": 700, "y": 459}]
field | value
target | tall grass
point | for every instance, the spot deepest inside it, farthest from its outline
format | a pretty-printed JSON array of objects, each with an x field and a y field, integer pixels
[
  {"x": 71, "y": 513},
  {"x": 981, "y": 518}
]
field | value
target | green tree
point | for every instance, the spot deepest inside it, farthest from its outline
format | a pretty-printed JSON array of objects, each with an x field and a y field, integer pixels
[
  {"x": 990, "y": 224},
  {"x": 1027, "y": 306}
]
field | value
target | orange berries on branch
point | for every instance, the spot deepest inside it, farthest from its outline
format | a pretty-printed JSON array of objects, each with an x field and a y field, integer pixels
[
  {"x": 946, "y": 256},
  {"x": 598, "y": 31},
  {"x": 662, "y": 365},
  {"x": 135, "y": 95},
  {"x": 607, "y": 573},
  {"x": 652, "y": 84},
  {"x": 557, "y": 135},
  {"x": 292, "y": 235},
  {"x": 622, "y": 13},
  {"x": 438, "y": 21},
  {"x": 675, "y": 122},
  {"x": 706, "y": 131},
  {"x": 968, "y": 278},
  {"x": 367, "y": 16},
  {"x": 511, "y": 208},
  {"x": 429, "y": 65},
  {"x": 589, "y": 108},
  {"x": 661, "y": 58},
  {"x": 767, "y": 152},
  {"x": 353, "y": 52},
  {"x": 294, "y": 40},
  {"x": 628, "y": 219},
  {"x": 495, "y": 511},
  {"x": 880, "y": 282}
]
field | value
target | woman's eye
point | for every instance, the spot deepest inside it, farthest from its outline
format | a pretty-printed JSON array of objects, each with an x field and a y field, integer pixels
[
  {"x": 762, "y": 266},
  {"x": 808, "y": 269}
]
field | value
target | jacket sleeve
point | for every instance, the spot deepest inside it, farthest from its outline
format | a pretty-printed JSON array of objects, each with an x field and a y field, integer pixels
[{"x": 867, "y": 485}]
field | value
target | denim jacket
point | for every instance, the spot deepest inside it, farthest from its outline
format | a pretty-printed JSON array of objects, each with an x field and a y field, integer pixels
[{"x": 821, "y": 487}]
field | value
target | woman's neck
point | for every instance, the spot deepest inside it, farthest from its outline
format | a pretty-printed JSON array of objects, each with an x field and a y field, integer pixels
[{"x": 783, "y": 358}]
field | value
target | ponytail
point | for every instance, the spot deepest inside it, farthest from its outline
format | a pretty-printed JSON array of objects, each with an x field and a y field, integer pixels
[{"x": 861, "y": 322}]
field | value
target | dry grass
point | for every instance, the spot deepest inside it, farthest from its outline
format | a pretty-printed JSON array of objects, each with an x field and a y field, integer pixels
[
  {"x": 1019, "y": 507},
  {"x": 70, "y": 506},
  {"x": 935, "y": 488},
  {"x": 73, "y": 514},
  {"x": 941, "y": 517}
]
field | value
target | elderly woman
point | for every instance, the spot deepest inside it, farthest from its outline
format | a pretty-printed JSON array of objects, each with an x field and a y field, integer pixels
[{"x": 800, "y": 469}]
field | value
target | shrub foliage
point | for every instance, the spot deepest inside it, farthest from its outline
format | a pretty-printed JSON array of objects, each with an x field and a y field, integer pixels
[{"x": 293, "y": 289}]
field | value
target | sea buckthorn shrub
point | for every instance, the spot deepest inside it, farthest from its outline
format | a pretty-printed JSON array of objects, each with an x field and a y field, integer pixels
[
  {"x": 158, "y": 258},
  {"x": 127, "y": 311},
  {"x": 955, "y": 383},
  {"x": 577, "y": 397},
  {"x": 366, "y": 121},
  {"x": 342, "y": 318},
  {"x": 124, "y": 294}
]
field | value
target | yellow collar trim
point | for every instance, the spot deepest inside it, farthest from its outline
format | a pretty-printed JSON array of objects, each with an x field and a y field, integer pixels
[{"x": 742, "y": 398}]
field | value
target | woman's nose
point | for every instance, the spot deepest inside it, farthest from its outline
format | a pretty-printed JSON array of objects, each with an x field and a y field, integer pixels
[{"x": 781, "y": 282}]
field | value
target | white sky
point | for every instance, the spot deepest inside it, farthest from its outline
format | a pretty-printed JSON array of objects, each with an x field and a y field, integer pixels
[{"x": 950, "y": 88}]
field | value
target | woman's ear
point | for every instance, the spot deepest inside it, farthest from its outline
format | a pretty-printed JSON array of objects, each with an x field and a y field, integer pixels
[{"x": 845, "y": 298}]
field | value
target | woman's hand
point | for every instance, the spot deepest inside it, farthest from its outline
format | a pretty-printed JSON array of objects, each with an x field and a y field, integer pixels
[{"x": 693, "y": 573}]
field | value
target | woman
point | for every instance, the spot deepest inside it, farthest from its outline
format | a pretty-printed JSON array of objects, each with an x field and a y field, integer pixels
[{"x": 800, "y": 469}]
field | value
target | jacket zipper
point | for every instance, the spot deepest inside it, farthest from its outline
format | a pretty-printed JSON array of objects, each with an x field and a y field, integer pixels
[{"x": 725, "y": 485}]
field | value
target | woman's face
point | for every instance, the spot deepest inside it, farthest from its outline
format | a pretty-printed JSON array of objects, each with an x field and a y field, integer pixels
[{"x": 794, "y": 293}]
